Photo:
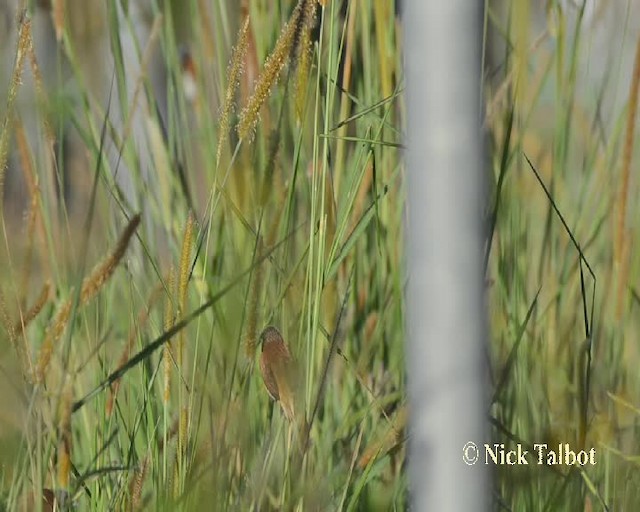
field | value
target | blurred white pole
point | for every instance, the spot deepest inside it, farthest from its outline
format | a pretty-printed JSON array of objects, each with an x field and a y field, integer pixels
[{"x": 445, "y": 293}]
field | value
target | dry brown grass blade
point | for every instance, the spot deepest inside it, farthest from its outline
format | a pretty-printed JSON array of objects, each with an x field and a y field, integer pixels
[
  {"x": 393, "y": 436},
  {"x": 621, "y": 239}
]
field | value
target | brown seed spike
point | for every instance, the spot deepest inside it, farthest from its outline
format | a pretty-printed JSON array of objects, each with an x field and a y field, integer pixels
[
  {"x": 271, "y": 71},
  {"x": 276, "y": 365}
]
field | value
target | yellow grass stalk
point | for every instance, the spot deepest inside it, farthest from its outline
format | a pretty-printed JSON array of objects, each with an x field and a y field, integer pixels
[
  {"x": 183, "y": 431},
  {"x": 168, "y": 324},
  {"x": 270, "y": 73},
  {"x": 382, "y": 13},
  {"x": 621, "y": 238},
  {"x": 24, "y": 44},
  {"x": 90, "y": 287},
  {"x": 235, "y": 70},
  {"x": 64, "y": 439},
  {"x": 345, "y": 101},
  {"x": 185, "y": 267}
]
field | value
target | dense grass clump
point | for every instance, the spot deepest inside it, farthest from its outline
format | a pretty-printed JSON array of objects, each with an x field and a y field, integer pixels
[
  {"x": 202, "y": 302},
  {"x": 191, "y": 173}
]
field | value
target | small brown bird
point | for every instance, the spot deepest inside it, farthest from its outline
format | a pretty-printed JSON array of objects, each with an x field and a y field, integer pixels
[{"x": 277, "y": 367}]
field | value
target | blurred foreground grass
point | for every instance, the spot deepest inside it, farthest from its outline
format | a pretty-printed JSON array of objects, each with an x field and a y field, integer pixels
[{"x": 562, "y": 93}]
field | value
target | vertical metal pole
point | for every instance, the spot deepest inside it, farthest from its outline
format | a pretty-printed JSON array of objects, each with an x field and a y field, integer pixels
[{"x": 446, "y": 324}]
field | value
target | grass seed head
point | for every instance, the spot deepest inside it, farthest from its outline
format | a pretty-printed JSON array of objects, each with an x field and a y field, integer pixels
[
  {"x": 274, "y": 64},
  {"x": 236, "y": 68},
  {"x": 303, "y": 53}
]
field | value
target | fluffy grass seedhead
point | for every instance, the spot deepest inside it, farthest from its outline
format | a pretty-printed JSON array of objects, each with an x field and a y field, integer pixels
[
  {"x": 136, "y": 483},
  {"x": 235, "y": 70},
  {"x": 102, "y": 273},
  {"x": 273, "y": 66}
]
